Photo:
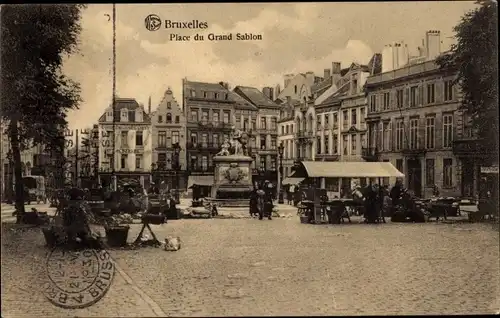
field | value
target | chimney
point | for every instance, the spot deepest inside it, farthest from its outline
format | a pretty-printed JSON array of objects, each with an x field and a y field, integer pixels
[
  {"x": 433, "y": 44},
  {"x": 271, "y": 93},
  {"x": 149, "y": 105},
  {"x": 277, "y": 90},
  {"x": 336, "y": 68},
  {"x": 327, "y": 74},
  {"x": 266, "y": 91},
  {"x": 335, "y": 72}
]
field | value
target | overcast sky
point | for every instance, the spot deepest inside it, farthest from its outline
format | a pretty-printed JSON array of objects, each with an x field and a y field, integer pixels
[{"x": 297, "y": 37}]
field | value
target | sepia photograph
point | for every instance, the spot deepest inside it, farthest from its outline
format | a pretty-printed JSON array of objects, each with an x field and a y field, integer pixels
[{"x": 249, "y": 159}]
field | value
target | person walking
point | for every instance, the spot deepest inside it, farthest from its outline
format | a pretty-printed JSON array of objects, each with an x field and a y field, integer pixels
[{"x": 253, "y": 209}]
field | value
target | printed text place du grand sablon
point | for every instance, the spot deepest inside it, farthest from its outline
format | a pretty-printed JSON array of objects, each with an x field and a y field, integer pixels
[{"x": 196, "y": 24}]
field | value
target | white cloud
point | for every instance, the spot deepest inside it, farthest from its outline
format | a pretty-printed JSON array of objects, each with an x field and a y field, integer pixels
[{"x": 358, "y": 25}]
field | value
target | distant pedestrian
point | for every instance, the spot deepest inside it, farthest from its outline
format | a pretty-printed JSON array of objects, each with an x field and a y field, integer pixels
[{"x": 435, "y": 190}]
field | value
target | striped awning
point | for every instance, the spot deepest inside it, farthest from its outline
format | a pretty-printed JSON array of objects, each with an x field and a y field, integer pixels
[
  {"x": 200, "y": 181},
  {"x": 325, "y": 169}
]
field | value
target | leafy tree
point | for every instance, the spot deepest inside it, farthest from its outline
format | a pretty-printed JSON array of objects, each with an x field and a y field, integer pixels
[
  {"x": 35, "y": 94},
  {"x": 475, "y": 57}
]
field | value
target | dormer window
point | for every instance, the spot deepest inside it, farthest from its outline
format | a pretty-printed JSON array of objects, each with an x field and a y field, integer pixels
[
  {"x": 169, "y": 105},
  {"x": 124, "y": 115},
  {"x": 109, "y": 116},
  {"x": 193, "y": 93},
  {"x": 169, "y": 118},
  {"x": 205, "y": 94},
  {"x": 138, "y": 116},
  {"x": 216, "y": 96},
  {"x": 225, "y": 97}
]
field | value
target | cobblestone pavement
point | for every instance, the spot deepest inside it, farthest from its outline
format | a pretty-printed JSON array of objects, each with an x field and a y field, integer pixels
[
  {"x": 23, "y": 275},
  {"x": 280, "y": 267}
]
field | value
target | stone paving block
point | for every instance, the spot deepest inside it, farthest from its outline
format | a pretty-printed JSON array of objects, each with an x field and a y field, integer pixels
[
  {"x": 23, "y": 276},
  {"x": 252, "y": 267}
]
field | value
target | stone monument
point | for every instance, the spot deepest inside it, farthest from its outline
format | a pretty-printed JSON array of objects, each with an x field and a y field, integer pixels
[{"x": 233, "y": 172}]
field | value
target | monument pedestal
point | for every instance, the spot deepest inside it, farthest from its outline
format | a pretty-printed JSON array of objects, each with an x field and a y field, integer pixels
[{"x": 232, "y": 181}]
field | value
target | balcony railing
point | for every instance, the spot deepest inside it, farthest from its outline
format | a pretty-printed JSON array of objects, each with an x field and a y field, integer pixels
[
  {"x": 202, "y": 169},
  {"x": 202, "y": 145},
  {"x": 370, "y": 154},
  {"x": 212, "y": 124}
]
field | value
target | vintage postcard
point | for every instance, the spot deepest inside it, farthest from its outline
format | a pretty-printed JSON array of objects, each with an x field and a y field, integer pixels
[{"x": 249, "y": 159}]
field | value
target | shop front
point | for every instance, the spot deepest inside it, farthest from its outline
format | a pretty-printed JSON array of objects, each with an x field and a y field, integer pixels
[{"x": 477, "y": 166}]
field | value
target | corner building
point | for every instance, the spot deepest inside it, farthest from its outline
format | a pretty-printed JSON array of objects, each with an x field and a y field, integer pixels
[{"x": 413, "y": 118}]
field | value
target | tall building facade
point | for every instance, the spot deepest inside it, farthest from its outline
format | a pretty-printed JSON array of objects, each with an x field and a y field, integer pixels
[
  {"x": 413, "y": 117},
  {"x": 169, "y": 128},
  {"x": 265, "y": 134},
  {"x": 286, "y": 131},
  {"x": 352, "y": 113},
  {"x": 132, "y": 131},
  {"x": 209, "y": 109}
]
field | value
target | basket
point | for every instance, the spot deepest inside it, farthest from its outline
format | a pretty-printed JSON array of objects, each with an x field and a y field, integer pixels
[{"x": 117, "y": 235}]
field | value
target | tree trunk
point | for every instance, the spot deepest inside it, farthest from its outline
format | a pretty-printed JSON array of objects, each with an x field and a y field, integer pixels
[{"x": 18, "y": 175}]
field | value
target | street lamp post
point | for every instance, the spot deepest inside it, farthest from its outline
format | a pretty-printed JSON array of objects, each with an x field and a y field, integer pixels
[
  {"x": 281, "y": 149},
  {"x": 177, "y": 151},
  {"x": 10, "y": 194}
]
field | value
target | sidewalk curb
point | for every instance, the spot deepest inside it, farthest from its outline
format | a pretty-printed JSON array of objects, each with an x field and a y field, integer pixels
[{"x": 152, "y": 304}]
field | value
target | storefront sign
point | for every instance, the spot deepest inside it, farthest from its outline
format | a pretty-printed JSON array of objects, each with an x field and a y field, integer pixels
[
  {"x": 493, "y": 169},
  {"x": 129, "y": 127},
  {"x": 127, "y": 150}
]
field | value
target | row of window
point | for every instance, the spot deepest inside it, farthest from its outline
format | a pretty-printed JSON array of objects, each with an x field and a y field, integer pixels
[
  {"x": 210, "y": 95},
  {"x": 168, "y": 119},
  {"x": 430, "y": 172},
  {"x": 167, "y": 140},
  {"x": 349, "y": 118},
  {"x": 410, "y": 97},
  {"x": 412, "y": 138},
  {"x": 264, "y": 124},
  {"x": 129, "y": 116},
  {"x": 139, "y": 161},
  {"x": 204, "y": 139},
  {"x": 124, "y": 138},
  {"x": 205, "y": 116}
]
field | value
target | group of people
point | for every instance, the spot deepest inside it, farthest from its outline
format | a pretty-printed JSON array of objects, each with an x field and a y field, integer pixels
[{"x": 261, "y": 200}]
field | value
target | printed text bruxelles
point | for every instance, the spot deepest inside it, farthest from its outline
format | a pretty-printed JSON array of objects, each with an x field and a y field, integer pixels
[{"x": 194, "y": 24}]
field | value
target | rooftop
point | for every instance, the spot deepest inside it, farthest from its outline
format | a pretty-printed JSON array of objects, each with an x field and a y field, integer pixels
[
  {"x": 409, "y": 70},
  {"x": 241, "y": 103},
  {"x": 211, "y": 87},
  {"x": 129, "y": 104},
  {"x": 255, "y": 96}
]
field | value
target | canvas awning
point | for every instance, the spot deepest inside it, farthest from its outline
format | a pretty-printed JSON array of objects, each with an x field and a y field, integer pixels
[
  {"x": 291, "y": 180},
  {"x": 317, "y": 169},
  {"x": 200, "y": 180}
]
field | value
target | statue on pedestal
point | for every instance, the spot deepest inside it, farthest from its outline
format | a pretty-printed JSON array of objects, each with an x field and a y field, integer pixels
[{"x": 236, "y": 146}]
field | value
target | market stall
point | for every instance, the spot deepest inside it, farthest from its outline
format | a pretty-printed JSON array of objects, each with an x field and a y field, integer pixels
[{"x": 319, "y": 172}]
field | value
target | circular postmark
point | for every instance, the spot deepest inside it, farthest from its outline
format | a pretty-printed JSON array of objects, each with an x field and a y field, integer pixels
[
  {"x": 78, "y": 279},
  {"x": 153, "y": 22}
]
